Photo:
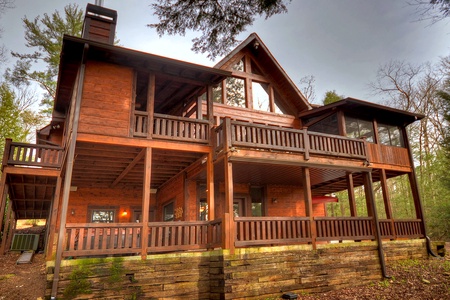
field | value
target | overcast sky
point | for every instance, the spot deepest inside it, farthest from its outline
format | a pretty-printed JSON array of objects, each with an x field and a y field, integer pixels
[{"x": 341, "y": 43}]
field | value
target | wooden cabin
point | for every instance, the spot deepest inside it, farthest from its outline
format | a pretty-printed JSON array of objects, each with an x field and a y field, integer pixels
[{"x": 147, "y": 155}]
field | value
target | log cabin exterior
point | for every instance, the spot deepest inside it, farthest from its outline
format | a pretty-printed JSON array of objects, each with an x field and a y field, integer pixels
[{"x": 147, "y": 155}]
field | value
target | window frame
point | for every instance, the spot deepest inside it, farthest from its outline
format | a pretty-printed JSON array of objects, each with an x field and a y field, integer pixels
[{"x": 93, "y": 209}]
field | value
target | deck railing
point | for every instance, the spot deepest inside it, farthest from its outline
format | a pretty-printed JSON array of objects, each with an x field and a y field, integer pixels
[
  {"x": 32, "y": 155},
  {"x": 407, "y": 228},
  {"x": 271, "y": 230},
  {"x": 255, "y": 136},
  {"x": 84, "y": 239},
  {"x": 171, "y": 128},
  {"x": 175, "y": 236},
  {"x": 343, "y": 228},
  {"x": 90, "y": 239}
]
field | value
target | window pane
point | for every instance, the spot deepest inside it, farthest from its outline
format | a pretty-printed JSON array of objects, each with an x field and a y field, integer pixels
[
  {"x": 203, "y": 213},
  {"x": 357, "y": 128},
  {"x": 366, "y": 130},
  {"x": 383, "y": 135},
  {"x": 217, "y": 94},
  {"x": 328, "y": 125},
  {"x": 239, "y": 66},
  {"x": 168, "y": 212},
  {"x": 235, "y": 91},
  {"x": 102, "y": 216},
  {"x": 260, "y": 96},
  {"x": 351, "y": 127},
  {"x": 396, "y": 137}
]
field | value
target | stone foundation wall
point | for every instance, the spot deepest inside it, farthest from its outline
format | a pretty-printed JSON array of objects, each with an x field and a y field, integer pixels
[{"x": 251, "y": 273}]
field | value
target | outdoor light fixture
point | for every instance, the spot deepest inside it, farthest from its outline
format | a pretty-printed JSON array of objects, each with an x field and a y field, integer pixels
[
  {"x": 124, "y": 213},
  {"x": 73, "y": 212},
  {"x": 274, "y": 200}
]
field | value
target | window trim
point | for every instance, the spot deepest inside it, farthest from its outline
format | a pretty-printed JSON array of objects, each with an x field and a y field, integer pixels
[{"x": 92, "y": 209}]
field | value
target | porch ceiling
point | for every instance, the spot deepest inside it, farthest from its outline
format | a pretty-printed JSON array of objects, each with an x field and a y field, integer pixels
[
  {"x": 100, "y": 165},
  {"x": 31, "y": 195}
]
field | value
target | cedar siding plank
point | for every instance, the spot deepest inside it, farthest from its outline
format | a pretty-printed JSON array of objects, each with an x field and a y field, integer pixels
[{"x": 107, "y": 97}]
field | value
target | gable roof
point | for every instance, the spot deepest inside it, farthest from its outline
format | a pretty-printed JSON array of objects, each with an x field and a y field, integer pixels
[
  {"x": 284, "y": 83},
  {"x": 367, "y": 110}
]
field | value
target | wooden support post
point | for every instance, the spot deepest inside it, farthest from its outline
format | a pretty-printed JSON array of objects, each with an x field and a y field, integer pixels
[
  {"x": 210, "y": 187},
  {"x": 351, "y": 194},
  {"x": 12, "y": 228},
  {"x": 7, "y": 229},
  {"x": 306, "y": 181},
  {"x": 53, "y": 219},
  {"x": 387, "y": 201},
  {"x": 70, "y": 159},
  {"x": 229, "y": 235},
  {"x": 146, "y": 201},
  {"x": 415, "y": 189},
  {"x": 209, "y": 105},
  {"x": 370, "y": 197},
  {"x": 3, "y": 197},
  {"x": 150, "y": 103}
]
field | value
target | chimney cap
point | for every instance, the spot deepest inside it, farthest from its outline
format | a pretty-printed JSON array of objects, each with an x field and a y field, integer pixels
[{"x": 101, "y": 12}]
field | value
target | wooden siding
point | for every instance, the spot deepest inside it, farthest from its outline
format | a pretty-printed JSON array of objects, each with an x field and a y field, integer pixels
[
  {"x": 390, "y": 155},
  {"x": 106, "y": 102}
]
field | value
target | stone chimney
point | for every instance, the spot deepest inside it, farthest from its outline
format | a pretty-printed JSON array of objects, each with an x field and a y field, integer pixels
[{"x": 99, "y": 24}]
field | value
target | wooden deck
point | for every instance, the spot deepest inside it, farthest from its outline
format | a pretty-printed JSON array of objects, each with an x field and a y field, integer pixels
[{"x": 95, "y": 239}]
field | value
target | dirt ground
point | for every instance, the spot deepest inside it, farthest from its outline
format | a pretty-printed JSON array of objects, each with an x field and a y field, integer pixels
[{"x": 412, "y": 279}]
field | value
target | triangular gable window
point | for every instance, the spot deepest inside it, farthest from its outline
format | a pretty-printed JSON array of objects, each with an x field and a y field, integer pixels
[
  {"x": 239, "y": 66},
  {"x": 255, "y": 69}
]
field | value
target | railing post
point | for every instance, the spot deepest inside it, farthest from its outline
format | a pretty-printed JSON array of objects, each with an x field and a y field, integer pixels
[
  {"x": 8, "y": 142},
  {"x": 227, "y": 134},
  {"x": 306, "y": 143}
]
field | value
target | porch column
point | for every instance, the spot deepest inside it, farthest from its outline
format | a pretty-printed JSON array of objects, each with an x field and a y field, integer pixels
[
  {"x": 387, "y": 201},
  {"x": 150, "y": 104},
  {"x": 209, "y": 106},
  {"x": 306, "y": 181},
  {"x": 415, "y": 186},
  {"x": 370, "y": 198},
  {"x": 6, "y": 230},
  {"x": 146, "y": 201},
  {"x": 53, "y": 218},
  {"x": 3, "y": 194},
  {"x": 228, "y": 226},
  {"x": 210, "y": 187},
  {"x": 351, "y": 194}
]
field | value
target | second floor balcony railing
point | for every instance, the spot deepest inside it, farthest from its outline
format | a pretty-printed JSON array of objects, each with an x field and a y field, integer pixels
[
  {"x": 248, "y": 135},
  {"x": 22, "y": 154},
  {"x": 171, "y": 128}
]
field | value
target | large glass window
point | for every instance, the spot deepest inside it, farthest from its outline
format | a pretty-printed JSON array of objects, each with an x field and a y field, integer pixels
[
  {"x": 357, "y": 128},
  {"x": 260, "y": 96},
  {"x": 235, "y": 91},
  {"x": 101, "y": 215},
  {"x": 328, "y": 125},
  {"x": 390, "y": 135}
]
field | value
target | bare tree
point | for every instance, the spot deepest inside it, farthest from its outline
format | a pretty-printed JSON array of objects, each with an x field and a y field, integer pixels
[
  {"x": 308, "y": 88},
  {"x": 432, "y": 10}
]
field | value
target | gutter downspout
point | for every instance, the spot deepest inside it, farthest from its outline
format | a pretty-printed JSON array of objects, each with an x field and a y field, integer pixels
[
  {"x": 369, "y": 189},
  {"x": 68, "y": 174}
]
